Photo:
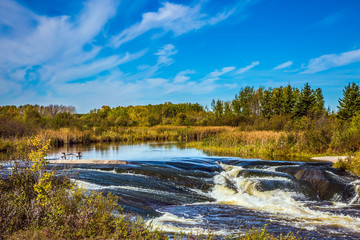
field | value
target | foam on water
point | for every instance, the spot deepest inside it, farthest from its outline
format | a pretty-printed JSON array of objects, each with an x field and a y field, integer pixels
[
  {"x": 356, "y": 198},
  {"x": 94, "y": 170},
  {"x": 278, "y": 202},
  {"x": 92, "y": 186},
  {"x": 167, "y": 222}
]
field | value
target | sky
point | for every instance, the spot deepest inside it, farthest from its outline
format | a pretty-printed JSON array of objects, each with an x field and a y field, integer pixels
[{"x": 90, "y": 53}]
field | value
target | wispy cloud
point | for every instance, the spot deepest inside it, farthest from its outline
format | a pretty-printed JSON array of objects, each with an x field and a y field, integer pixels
[
  {"x": 328, "y": 61},
  {"x": 44, "y": 50},
  {"x": 171, "y": 17},
  {"x": 52, "y": 39},
  {"x": 331, "y": 19},
  {"x": 224, "y": 70},
  {"x": 92, "y": 68},
  {"x": 164, "y": 54},
  {"x": 247, "y": 68},
  {"x": 16, "y": 16},
  {"x": 284, "y": 65},
  {"x": 182, "y": 77}
]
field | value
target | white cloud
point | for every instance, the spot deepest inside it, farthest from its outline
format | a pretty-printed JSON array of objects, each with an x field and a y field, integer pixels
[
  {"x": 328, "y": 61},
  {"x": 53, "y": 39},
  {"x": 155, "y": 82},
  {"x": 181, "y": 76},
  {"x": 283, "y": 65},
  {"x": 247, "y": 68},
  {"x": 224, "y": 70},
  {"x": 93, "y": 68},
  {"x": 52, "y": 48},
  {"x": 52, "y": 53},
  {"x": 16, "y": 17},
  {"x": 171, "y": 17},
  {"x": 164, "y": 54}
]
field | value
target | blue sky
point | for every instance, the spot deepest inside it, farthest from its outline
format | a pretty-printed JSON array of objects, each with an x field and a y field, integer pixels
[{"x": 124, "y": 52}]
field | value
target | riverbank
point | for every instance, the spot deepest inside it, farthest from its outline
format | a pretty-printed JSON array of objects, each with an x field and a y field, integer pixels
[{"x": 64, "y": 136}]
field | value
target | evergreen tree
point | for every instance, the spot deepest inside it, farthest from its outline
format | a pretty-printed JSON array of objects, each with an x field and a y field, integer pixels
[
  {"x": 305, "y": 101},
  {"x": 319, "y": 100},
  {"x": 227, "y": 109},
  {"x": 266, "y": 110},
  {"x": 289, "y": 100},
  {"x": 277, "y": 100},
  {"x": 213, "y": 105},
  {"x": 350, "y": 103}
]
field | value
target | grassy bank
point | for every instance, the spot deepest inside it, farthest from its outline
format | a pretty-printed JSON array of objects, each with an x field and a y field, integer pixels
[
  {"x": 39, "y": 204},
  {"x": 218, "y": 140},
  {"x": 64, "y": 136},
  {"x": 261, "y": 144},
  {"x": 132, "y": 134},
  {"x": 277, "y": 145},
  {"x": 312, "y": 139}
]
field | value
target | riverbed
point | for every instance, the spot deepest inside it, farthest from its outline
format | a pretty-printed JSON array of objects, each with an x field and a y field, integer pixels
[{"x": 182, "y": 189}]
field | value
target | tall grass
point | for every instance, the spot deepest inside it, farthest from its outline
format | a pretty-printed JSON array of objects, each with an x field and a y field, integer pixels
[
  {"x": 351, "y": 164},
  {"x": 266, "y": 144},
  {"x": 131, "y": 134}
]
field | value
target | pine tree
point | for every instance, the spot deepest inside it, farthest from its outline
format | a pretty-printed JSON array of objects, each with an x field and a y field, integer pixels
[
  {"x": 266, "y": 110},
  {"x": 304, "y": 102},
  {"x": 350, "y": 103},
  {"x": 319, "y": 100},
  {"x": 277, "y": 100},
  {"x": 227, "y": 109},
  {"x": 289, "y": 100}
]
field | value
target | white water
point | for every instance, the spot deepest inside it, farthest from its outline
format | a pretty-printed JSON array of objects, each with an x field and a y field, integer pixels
[
  {"x": 277, "y": 202},
  {"x": 167, "y": 220},
  {"x": 92, "y": 186}
]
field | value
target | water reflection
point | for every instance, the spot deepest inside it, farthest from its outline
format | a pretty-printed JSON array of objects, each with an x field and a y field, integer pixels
[{"x": 122, "y": 151}]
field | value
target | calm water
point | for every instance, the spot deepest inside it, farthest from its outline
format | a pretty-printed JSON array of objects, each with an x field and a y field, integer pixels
[
  {"x": 141, "y": 151},
  {"x": 183, "y": 189}
]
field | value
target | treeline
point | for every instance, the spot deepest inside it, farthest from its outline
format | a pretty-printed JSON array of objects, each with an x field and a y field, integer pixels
[
  {"x": 28, "y": 119},
  {"x": 253, "y": 104},
  {"x": 285, "y": 108}
]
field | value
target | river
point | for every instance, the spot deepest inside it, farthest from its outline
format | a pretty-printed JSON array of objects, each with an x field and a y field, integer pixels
[{"x": 184, "y": 189}]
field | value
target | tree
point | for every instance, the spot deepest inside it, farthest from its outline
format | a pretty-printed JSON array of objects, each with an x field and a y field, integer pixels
[
  {"x": 304, "y": 102},
  {"x": 289, "y": 100},
  {"x": 227, "y": 109},
  {"x": 243, "y": 101},
  {"x": 266, "y": 110},
  {"x": 350, "y": 103},
  {"x": 319, "y": 101},
  {"x": 219, "y": 108},
  {"x": 277, "y": 100}
]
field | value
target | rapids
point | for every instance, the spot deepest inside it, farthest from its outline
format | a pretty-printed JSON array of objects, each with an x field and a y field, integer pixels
[{"x": 179, "y": 189}]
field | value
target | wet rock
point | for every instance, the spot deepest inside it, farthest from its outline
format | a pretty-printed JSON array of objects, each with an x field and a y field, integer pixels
[{"x": 325, "y": 185}]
